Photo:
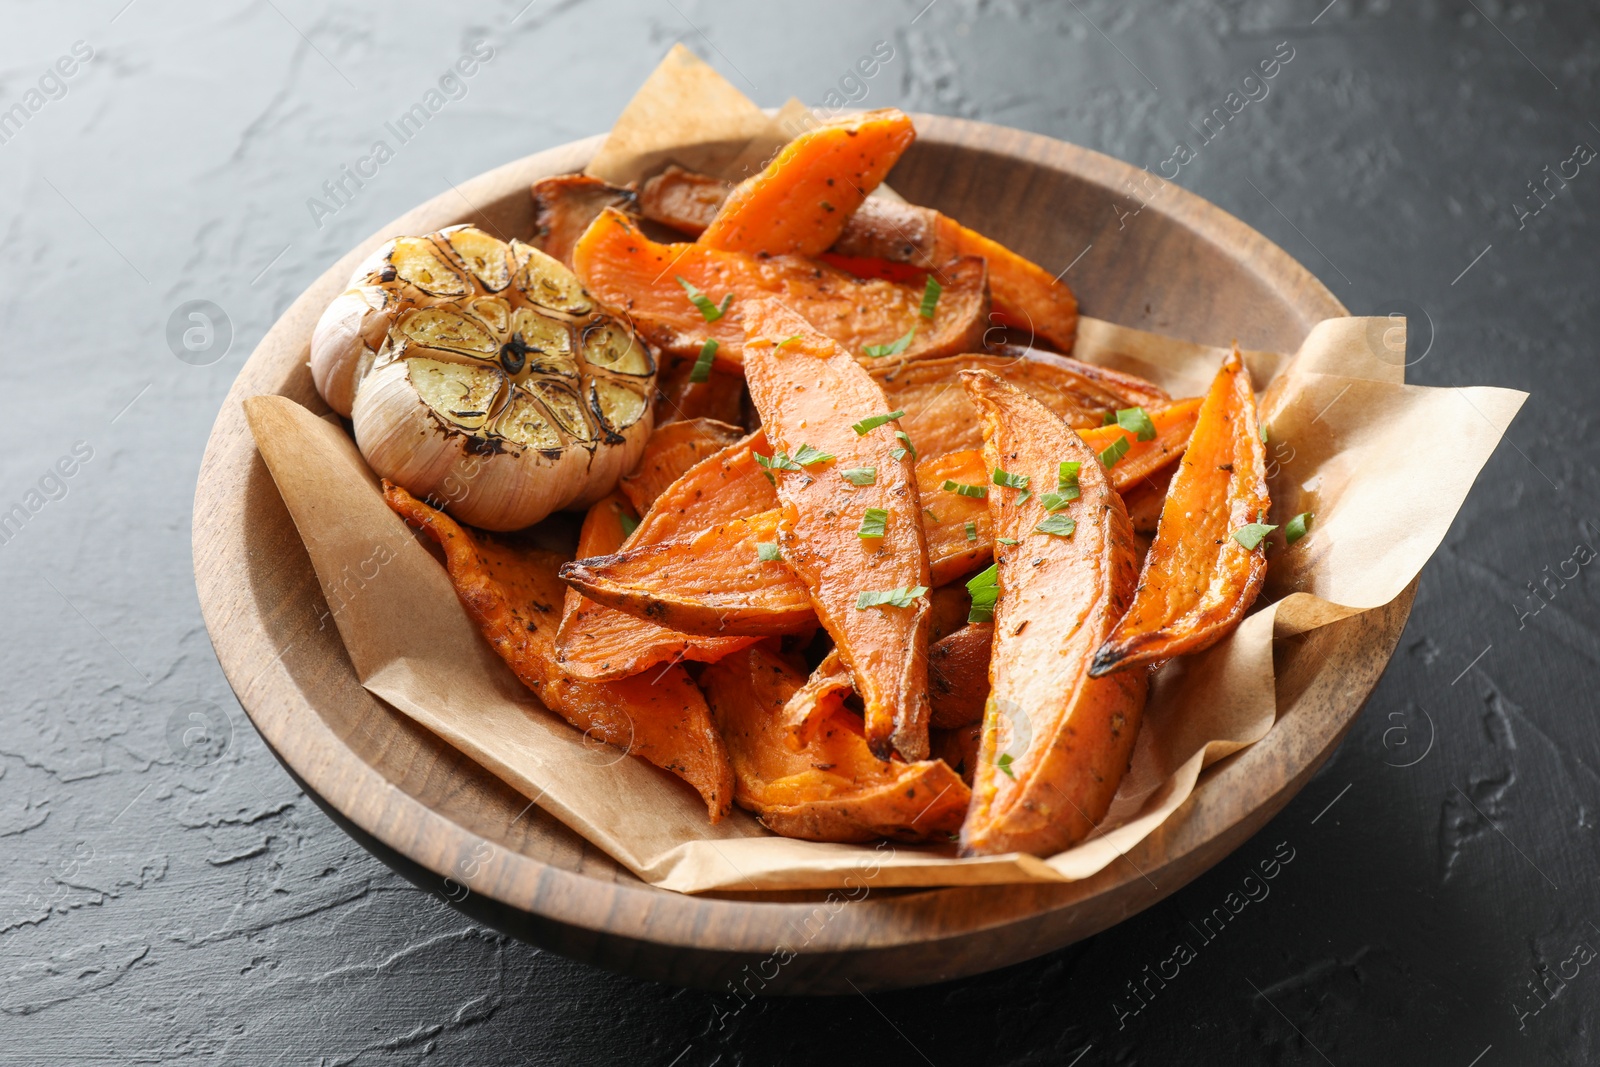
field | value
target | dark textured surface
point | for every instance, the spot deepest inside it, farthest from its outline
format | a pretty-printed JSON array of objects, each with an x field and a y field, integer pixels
[{"x": 167, "y": 903}]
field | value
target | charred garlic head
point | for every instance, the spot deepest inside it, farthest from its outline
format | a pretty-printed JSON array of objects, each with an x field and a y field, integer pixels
[{"x": 482, "y": 374}]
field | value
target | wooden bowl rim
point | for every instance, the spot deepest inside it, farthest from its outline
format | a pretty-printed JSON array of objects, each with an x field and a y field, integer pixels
[{"x": 344, "y": 781}]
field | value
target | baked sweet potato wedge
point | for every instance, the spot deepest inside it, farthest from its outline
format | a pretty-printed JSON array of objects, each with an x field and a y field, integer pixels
[
  {"x": 640, "y": 278},
  {"x": 672, "y": 449},
  {"x": 813, "y": 703},
  {"x": 1056, "y": 742},
  {"x": 1171, "y": 425},
  {"x": 686, "y": 200},
  {"x": 1199, "y": 578},
  {"x": 513, "y": 594},
  {"x": 801, "y": 201},
  {"x": 679, "y": 397},
  {"x": 565, "y": 204},
  {"x": 858, "y": 545},
  {"x": 599, "y": 642},
  {"x": 834, "y": 788},
  {"x": 958, "y": 676},
  {"x": 941, "y": 418}
]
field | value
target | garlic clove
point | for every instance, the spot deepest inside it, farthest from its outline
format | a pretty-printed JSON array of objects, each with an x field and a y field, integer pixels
[
  {"x": 437, "y": 327},
  {"x": 416, "y": 260},
  {"x": 486, "y": 257},
  {"x": 547, "y": 282},
  {"x": 606, "y": 344},
  {"x": 344, "y": 343}
]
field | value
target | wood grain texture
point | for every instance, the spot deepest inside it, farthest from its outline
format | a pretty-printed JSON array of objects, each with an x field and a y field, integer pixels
[{"x": 427, "y": 810}]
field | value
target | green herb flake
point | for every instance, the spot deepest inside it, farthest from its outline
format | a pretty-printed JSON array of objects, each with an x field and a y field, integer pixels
[
  {"x": 1006, "y": 540},
  {"x": 984, "y": 588},
  {"x": 860, "y": 475},
  {"x": 1067, "y": 477},
  {"x": 976, "y": 492},
  {"x": 768, "y": 551},
  {"x": 1263, "y": 433},
  {"x": 1109, "y": 419},
  {"x": 1057, "y": 501},
  {"x": 787, "y": 341},
  {"x": 701, "y": 371},
  {"x": 1004, "y": 763},
  {"x": 892, "y": 598},
  {"x": 872, "y": 422},
  {"x": 931, "y": 516},
  {"x": 1298, "y": 527},
  {"x": 899, "y": 345},
  {"x": 1137, "y": 421},
  {"x": 930, "y": 297},
  {"x": 708, "y": 311},
  {"x": 972, "y": 531},
  {"x": 897, "y": 454},
  {"x": 1059, "y": 525},
  {"x": 629, "y": 523},
  {"x": 1251, "y": 534},
  {"x": 874, "y": 523},
  {"x": 1114, "y": 451},
  {"x": 905, "y": 439},
  {"x": 1009, "y": 480},
  {"x": 807, "y": 456},
  {"x": 1024, "y": 496}
]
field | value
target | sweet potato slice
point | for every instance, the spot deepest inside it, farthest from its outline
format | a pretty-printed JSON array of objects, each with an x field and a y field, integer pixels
[
  {"x": 683, "y": 199},
  {"x": 512, "y": 593},
  {"x": 625, "y": 270},
  {"x": 599, "y": 642},
  {"x": 1198, "y": 579},
  {"x": 669, "y": 453},
  {"x": 679, "y": 398},
  {"x": 833, "y": 789},
  {"x": 802, "y": 200},
  {"x": 941, "y": 418},
  {"x": 958, "y": 676},
  {"x": 565, "y": 204},
  {"x": 1056, "y": 742},
  {"x": 1173, "y": 423},
  {"x": 810, "y": 391},
  {"x": 814, "y": 703}
]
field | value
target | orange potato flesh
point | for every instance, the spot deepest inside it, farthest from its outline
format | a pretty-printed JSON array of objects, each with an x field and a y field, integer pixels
[
  {"x": 638, "y": 277},
  {"x": 678, "y": 398},
  {"x": 1066, "y": 738},
  {"x": 1173, "y": 424},
  {"x": 799, "y": 204},
  {"x": 1025, "y": 294},
  {"x": 940, "y": 417},
  {"x": 813, "y": 703},
  {"x": 599, "y": 642},
  {"x": 1198, "y": 581},
  {"x": 563, "y": 207},
  {"x": 683, "y": 199},
  {"x": 512, "y": 592},
  {"x": 811, "y": 391},
  {"x": 671, "y": 450},
  {"x": 833, "y": 789}
]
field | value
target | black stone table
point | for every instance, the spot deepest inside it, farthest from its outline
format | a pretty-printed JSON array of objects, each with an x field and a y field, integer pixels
[{"x": 168, "y": 895}]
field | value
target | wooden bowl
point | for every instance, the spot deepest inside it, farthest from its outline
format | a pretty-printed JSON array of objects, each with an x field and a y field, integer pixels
[{"x": 1180, "y": 267}]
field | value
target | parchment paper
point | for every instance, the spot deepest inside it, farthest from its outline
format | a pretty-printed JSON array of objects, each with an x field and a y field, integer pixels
[{"x": 1384, "y": 466}]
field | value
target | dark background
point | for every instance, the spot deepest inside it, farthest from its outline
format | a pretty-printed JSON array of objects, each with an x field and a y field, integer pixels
[{"x": 152, "y": 910}]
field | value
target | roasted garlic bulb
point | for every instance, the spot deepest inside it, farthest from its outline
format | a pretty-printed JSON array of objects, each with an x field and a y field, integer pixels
[{"x": 482, "y": 375}]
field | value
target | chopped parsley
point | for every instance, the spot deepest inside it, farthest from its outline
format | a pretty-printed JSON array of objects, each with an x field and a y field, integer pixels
[
  {"x": 701, "y": 371},
  {"x": 972, "y": 531},
  {"x": 929, "y": 512},
  {"x": 860, "y": 475},
  {"x": 629, "y": 523},
  {"x": 1298, "y": 527},
  {"x": 930, "y": 297},
  {"x": 1059, "y": 525},
  {"x": 874, "y": 523},
  {"x": 899, "y": 345},
  {"x": 1006, "y": 540},
  {"x": 1004, "y": 763},
  {"x": 1114, "y": 451},
  {"x": 806, "y": 456},
  {"x": 1009, "y": 480},
  {"x": 976, "y": 492},
  {"x": 893, "y": 598},
  {"x": 1066, "y": 486},
  {"x": 768, "y": 551},
  {"x": 787, "y": 341},
  {"x": 984, "y": 588},
  {"x": 708, "y": 311},
  {"x": 1251, "y": 534},
  {"x": 905, "y": 439},
  {"x": 872, "y": 422},
  {"x": 1137, "y": 421}
]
